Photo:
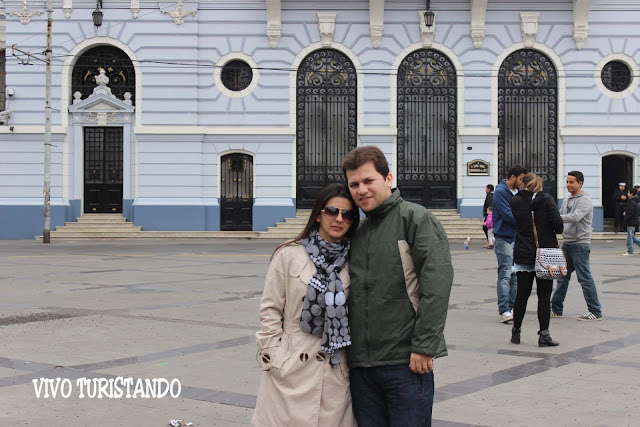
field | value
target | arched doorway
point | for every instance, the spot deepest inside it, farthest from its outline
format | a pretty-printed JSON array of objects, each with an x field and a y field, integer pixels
[
  {"x": 103, "y": 138},
  {"x": 326, "y": 121},
  {"x": 527, "y": 116},
  {"x": 616, "y": 168},
  {"x": 236, "y": 192},
  {"x": 427, "y": 129}
]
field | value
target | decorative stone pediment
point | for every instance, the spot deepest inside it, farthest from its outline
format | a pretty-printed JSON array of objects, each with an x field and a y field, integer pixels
[
  {"x": 101, "y": 110},
  {"x": 101, "y": 102}
]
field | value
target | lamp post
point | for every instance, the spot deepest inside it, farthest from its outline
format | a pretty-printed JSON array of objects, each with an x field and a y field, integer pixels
[
  {"x": 97, "y": 14},
  {"x": 429, "y": 15}
]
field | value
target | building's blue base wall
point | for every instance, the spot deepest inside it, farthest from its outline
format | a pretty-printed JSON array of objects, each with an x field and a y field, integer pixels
[
  {"x": 212, "y": 218},
  {"x": 470, "y": 211},
  {"x": 267, "y": 216},
  {"x": 598, "y": 219},
  {"x": 200, "y": 218},
  {"x": 169, "y": 218},
  {"x": 127, "y": 209},
  {"x": 27, "y": 222},
  {"x": 73, "y": 211}
]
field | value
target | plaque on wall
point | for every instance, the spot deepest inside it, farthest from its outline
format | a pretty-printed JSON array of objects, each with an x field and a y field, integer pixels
[{"x": 478, "y": 168}]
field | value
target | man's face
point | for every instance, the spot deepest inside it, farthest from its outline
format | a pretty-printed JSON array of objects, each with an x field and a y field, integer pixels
[
  {"x": 573, "y": 186},
  {"x": 487, "y": 190},
  {"x": 368, "y": 187},
  {"x": 622, "y": 187},
  {"x": 518, "y": 182}
]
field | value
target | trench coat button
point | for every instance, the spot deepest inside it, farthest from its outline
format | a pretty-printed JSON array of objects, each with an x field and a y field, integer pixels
[
  {"x": 266, "y": 358},
  {"x": 304, "y": 357},
  {"x": 320, "y": 356}
]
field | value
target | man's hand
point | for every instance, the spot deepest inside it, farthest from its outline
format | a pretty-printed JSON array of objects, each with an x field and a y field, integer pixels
[{"x": 421, "y": 363}]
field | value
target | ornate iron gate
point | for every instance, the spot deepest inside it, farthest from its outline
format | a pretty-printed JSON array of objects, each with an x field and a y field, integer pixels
[
  {"x": 103, "y": 169},
  {"x": 427, "y": 135},
  {"x": 527, "y": 116},
  {"x": 117, "y": 65},
  {"x": 326, "y": 121},
  {"x": 236, "y": 191}
]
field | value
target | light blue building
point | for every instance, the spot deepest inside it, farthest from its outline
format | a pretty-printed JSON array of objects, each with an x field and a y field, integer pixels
[{"x": 232, "y": 114}]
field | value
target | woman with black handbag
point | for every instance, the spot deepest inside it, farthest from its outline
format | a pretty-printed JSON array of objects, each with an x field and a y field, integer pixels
[{"x": 533, "y": 208}]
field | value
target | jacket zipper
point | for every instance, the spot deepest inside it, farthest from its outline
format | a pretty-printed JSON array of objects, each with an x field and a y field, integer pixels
[{"x": 366, "y": 300}]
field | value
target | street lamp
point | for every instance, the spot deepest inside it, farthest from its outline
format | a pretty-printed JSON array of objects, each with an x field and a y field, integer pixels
[
  {"x": 97, "y": 14},
  {"x": 428, "y": 16}
]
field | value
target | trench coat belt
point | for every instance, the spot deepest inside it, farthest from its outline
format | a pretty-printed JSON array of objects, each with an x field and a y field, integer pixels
[{"x": 289, "y": 327}]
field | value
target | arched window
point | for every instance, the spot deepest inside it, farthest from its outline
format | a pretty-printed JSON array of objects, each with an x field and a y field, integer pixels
[
  {"x": 326, "y": 121},
  {"x": 427, "y": 129},
  {"x": 527, "y": 116},
  {"x": 117, "y": 65}
]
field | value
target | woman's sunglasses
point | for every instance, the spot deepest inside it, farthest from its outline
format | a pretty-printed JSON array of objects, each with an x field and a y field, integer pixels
[{"x": 331, "y": 213}]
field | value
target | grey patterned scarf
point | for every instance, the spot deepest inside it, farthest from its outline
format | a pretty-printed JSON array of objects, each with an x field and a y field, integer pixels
[{"x": 324, "y": 310}]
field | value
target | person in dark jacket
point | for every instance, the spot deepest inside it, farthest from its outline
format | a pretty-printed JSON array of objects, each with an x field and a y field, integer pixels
[
  {"x": 631, "y": 218},
  {"x": 548, "y": 223},
  {"x": 504, "y": 230},
  {"x": 401, "y": 278},
  {"x": 620, "y": 200},
  {"x": 488, "y": 203}
]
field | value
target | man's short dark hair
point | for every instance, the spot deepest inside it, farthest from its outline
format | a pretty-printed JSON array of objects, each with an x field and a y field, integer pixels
[
  {"x": 490, "y": 187},
  {"x": 365, "y": 154},
  {"x": 633, "y": 191},
  {"x": 578, "y": 176},
  {"x": 516, "y": 171}
]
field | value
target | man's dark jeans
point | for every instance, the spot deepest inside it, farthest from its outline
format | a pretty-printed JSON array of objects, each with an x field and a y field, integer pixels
[{"x": 391, "y": 396}]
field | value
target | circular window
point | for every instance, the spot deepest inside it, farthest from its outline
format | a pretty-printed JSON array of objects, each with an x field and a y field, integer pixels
[
  {"x": 236, "y": 75},
  {"x": 616, "y": 76}
]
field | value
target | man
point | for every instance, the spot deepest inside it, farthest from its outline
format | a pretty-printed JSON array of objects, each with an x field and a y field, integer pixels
[
  {"x": 577, "y": 214},
  {"x": 631, "y": 218},
  {"x": 401, "y": 278},
  {"x": 620, "y": 200},
  {"x": 504, "y": 231},
  {"x": 488, "y": 203}
]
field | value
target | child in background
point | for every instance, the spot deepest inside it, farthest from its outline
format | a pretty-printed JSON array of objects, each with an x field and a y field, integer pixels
[{"x": 489, "y": 224}]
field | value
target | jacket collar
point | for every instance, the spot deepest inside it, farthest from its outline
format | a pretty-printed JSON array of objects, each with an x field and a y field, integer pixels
[{"x": 386, "y": 206}]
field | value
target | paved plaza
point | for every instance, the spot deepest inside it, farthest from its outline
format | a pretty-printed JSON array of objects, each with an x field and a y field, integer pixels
[{"x": 188, "y": 310}]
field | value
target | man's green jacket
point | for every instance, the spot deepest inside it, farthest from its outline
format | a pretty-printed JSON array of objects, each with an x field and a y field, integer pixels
[{"x": 401, "y": 277}]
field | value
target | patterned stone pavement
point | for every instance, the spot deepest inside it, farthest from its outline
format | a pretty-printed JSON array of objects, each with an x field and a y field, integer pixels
[{"x": 187, "y": 310}]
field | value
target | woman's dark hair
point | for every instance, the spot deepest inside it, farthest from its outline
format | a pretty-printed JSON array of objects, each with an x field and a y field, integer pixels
[{"x": 326, "y": 194}]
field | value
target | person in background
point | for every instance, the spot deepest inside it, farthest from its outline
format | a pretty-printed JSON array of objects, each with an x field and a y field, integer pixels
[
  {"x": 305, "y": 323},
  {"x": 631, "y": 218},
  {"x": 577, "y": 214},
  {"x": 488, "y": 203},
  {"x": 488, "y": 225},
  {"x": 620, "y": 200},
  {"x": 547, "y": 224},
  {"x": 504, "y": 230}
]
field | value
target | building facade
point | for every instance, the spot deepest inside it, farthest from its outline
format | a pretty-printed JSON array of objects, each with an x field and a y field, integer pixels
[{"x": 229, "y": 115}]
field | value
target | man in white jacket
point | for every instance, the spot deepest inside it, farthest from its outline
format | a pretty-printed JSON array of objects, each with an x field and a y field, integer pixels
[{"x": 577, "y": 215}]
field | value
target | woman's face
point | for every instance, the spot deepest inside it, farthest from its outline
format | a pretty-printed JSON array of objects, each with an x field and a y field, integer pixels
[{"x": 332, "y": 227}]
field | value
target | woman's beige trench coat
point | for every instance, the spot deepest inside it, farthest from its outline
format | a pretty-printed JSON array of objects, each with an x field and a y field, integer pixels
[{"x": 298, "y": 386}]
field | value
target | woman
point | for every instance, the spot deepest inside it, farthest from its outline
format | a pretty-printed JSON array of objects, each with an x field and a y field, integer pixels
[
  {"x": 548, "y": 224},
  {"x": 305, "y": 326}
]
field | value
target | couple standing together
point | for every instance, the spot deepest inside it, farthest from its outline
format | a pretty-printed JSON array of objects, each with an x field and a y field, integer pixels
[
  {"x": 352, "y": 315},
  {"x": 517, "y": 203}
]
